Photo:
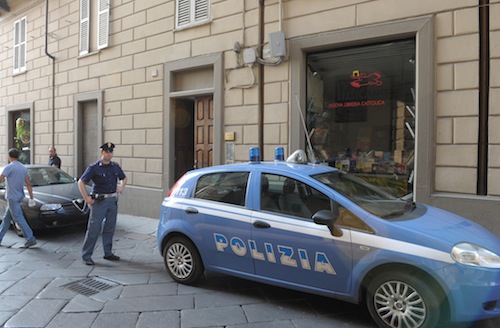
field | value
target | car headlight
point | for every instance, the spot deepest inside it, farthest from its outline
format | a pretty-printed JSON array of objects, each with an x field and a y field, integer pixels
[
  {"x": 50, "y": 207},
  {"x": 470, "y": 254}
]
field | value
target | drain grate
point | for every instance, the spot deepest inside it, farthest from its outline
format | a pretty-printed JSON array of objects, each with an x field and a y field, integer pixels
[{"x": 90, "y": 286}]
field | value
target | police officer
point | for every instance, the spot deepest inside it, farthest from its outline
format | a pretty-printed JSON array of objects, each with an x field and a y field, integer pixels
[{"x": 108, "y": 180}]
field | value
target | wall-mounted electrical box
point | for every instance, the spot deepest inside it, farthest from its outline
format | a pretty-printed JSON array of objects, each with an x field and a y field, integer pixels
[
  {"x": 277, "y": 45},
  {"x": 249, "y": 56}
]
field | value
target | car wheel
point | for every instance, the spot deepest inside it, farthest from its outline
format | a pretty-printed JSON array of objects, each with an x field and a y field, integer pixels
[
  {"x": 182, "y": 260},
  {"x": 402, "y": 300}
]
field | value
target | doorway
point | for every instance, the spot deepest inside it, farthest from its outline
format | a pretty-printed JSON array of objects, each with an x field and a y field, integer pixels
[
  {"x": 89, "y": 141},
  {"x": 88, "y": 130},
  {"x": 194, "y": 136}
]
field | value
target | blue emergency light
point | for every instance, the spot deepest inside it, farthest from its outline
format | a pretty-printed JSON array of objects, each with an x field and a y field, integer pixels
[
  {"x": 279, "y": 154},
  {"x": 254, "y": 155}
]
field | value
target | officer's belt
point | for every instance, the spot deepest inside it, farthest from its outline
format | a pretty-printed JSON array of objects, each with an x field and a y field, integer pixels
[{"x": 106, "y": 195}]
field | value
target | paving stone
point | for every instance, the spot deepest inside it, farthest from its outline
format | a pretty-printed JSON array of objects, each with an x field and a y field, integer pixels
[
  {"x": 277, "y": 311},
  {"x": 109, "y": 294},
  {"x": 122, "y": 320},
  {"x": 212, "y": 317},
  {"x": 6, "y": 284},
  {"x": 81, "y": 303},
  {"x": 170, "y": 319},
  {"x": 127, "y": 279},
  {"x": 15, "y": 275},
  {"x": 149, "y": 290},
  {"x": 37, "y": 313},
  {"x": 28, "y": 287},
  {"x": 335, "y": 321},
  {"x": 272, "y": 324},
  {"x": 54, "y": 290},
  {"x": 215, "y": 299},
  {"x": 73, "y": 320},
  {"x": 145, "y": 304},
  {"x": 13, "y": 303},
  {"x": 4, "y": 316}
]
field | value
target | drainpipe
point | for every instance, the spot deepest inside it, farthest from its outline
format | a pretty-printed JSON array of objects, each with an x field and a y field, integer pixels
[
  {"x": 484, "y": 88},
  {"x": 260, "y": 83},
  {"x": 53, "y": 70}
]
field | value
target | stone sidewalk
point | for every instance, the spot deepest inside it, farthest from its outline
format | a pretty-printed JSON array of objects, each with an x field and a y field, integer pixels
[{"x": 49, "y": 286}]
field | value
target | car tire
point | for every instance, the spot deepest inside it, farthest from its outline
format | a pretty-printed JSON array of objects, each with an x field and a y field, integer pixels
[
  {"x": 402, "y": 299},
  {"x": 183, "y": 261}
]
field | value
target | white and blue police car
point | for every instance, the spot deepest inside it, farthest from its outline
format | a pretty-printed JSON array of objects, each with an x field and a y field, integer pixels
[{"x": 316, "y": 229}]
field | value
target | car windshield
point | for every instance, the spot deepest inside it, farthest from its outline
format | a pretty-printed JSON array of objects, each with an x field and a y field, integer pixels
[
  {"x": 366, "y": 195},
  {"x": 43, "y": 176}
]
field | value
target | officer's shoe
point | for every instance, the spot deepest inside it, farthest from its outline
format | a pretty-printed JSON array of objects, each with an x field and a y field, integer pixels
[{"x": 112, "y": 257}]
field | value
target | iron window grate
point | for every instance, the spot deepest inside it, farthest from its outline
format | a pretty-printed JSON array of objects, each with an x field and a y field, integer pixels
[{"x": 90, "y": 286}]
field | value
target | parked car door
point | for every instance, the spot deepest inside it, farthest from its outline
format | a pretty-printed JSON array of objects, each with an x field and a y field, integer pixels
[{"x": 290, "y": 246}]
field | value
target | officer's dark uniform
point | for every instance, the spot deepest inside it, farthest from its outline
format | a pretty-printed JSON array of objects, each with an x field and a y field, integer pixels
[{"x": 105, "y": 208}]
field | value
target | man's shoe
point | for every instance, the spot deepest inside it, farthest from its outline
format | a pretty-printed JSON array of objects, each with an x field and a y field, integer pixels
[
  {"x": 112, "y": 257},
  {"x": 88, "y": 262},
  {"x": 29, "y": 243}
]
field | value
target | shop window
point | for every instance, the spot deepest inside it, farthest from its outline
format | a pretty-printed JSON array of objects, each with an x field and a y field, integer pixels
[{"x": 361, "y": 111}]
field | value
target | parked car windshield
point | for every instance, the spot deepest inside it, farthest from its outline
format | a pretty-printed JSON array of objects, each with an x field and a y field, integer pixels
[
  {"x": 43, "y": 176},
  {"x": 366, "y": 195}
]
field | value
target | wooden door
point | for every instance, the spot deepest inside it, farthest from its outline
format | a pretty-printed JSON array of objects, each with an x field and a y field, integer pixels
[{"x": 203, "y": 132}]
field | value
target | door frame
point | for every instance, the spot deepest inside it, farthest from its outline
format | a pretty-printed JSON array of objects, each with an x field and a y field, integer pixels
[
  {"x": 79, "y": 99},
  {"x": 214, "y": 61}
]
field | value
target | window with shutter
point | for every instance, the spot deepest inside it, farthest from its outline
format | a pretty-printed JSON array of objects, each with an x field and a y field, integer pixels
[
  {"x": 94, "y": 25},
  {"x": 103, "y": 24},
  {"x": 84, "y": 26},
  {"x": 200, "y": 10},
  {"x": 191, "y": 12},
  {"x": 19, "y": 46}
]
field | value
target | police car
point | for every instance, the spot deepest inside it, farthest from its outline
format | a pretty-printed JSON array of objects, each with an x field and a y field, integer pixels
[{"x": 314, "y": 228}]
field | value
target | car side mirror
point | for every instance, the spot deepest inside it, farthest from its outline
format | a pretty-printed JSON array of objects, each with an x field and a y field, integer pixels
[{"x": 328, "y": 218}]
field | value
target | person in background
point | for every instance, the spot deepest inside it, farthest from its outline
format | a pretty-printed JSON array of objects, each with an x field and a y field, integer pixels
[
  {"x": 103, "y": 202},
  {"x": 54, "y": 160},
  {"x": 16, "y": 175}
]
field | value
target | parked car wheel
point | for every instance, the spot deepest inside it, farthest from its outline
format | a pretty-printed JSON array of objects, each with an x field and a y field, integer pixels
[
  {"x": 402, "y": 300},
  {"x": 182, "y": 260}
]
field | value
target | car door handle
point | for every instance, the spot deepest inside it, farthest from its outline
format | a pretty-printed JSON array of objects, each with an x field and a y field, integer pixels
[
  {"x": 261, "y": 224},
  {"x": 191, "y": 210}
]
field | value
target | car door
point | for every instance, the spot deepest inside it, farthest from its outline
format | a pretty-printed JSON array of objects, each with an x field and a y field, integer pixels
[
  {"x": 218, "y": 212},
  {"x": 289, "y": 247}
]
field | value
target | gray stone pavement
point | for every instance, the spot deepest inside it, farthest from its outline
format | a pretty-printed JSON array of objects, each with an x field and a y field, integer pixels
[{"x": 49, "y": 286}]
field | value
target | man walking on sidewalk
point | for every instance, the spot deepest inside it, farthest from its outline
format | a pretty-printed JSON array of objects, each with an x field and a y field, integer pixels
[
  {"x": 103, "y": 202},
  {"x": 16, "y": 175}
]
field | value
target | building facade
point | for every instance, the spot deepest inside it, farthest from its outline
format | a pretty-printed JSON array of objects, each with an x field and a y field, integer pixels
[{"x": 399, "y": 92}]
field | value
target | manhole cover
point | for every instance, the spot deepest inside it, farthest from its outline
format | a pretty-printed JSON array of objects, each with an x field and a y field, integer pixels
[{"x": 90, "y": 286}]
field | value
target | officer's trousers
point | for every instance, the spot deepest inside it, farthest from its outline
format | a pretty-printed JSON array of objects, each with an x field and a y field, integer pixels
[{"x": 102, "y": 219}]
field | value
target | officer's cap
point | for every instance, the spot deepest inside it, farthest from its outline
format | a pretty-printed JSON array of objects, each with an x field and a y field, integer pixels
[{"x": 108, "y": 147}]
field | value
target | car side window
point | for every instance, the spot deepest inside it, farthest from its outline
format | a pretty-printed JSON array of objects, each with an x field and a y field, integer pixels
[
  {"x": 285, "y": 195},
  {"x": 224, "y": 187}
]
